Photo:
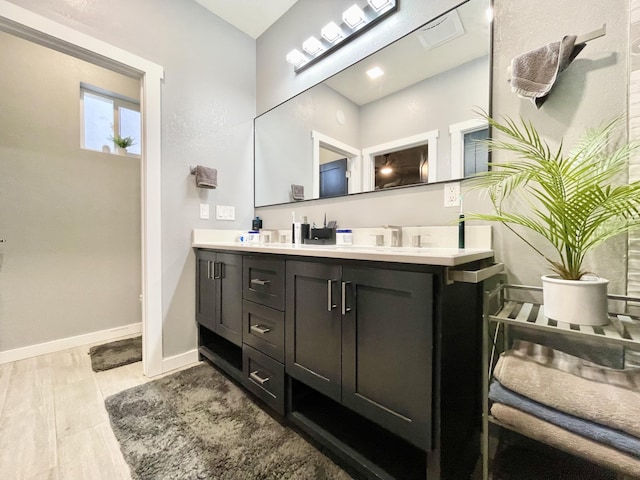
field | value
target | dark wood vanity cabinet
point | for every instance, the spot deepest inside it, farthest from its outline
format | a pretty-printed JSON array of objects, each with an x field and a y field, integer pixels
[
  {"x": 219, "y": 294},
  {"x": 376, "y": 361},
  {"x": 363, "y": 337}
]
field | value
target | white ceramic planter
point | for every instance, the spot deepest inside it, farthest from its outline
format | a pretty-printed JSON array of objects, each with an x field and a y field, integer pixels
[{"x": 582, "y": 302}]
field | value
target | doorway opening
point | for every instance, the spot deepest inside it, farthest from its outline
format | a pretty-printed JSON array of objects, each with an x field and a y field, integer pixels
[{"x": 40, "y": 30}]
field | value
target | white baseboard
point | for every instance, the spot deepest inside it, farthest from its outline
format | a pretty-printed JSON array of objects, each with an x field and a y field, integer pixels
[
  {"x": 179, "y": 361},
  {"x": 70, "y": 342}
]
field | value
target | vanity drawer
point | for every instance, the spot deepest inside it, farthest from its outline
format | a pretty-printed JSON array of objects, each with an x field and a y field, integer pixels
[
  {"x": 263, "y": 281},
  {"x": 264, "y": 377},
  {"x": 263, "y": 329}
]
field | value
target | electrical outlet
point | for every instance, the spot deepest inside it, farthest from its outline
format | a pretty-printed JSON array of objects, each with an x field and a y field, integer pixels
[
  {"x": 452, "y": 194},
  {"x": 204, "y": 211}
]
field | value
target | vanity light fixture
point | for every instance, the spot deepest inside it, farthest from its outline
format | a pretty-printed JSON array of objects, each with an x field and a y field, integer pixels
[
  {"x": 332, "y": 32},
  {"x": 296, "y": 58},
  {"x": 386, "y": 170},
  {"x": 379, "y": 5},
  {"x": 355, "y": 20},
  {"x": 353, "y": 17},
  {"x": 375, "y": 72},
  {"x": 312, "y": 46}
]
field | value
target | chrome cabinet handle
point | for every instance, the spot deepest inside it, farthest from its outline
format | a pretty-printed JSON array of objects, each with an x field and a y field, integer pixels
[
  {"x": 330, "y": 304},
  {"x": 217, "y": 270},
  {"x": 257, "y": 378},
  {"x": 345, "y": 309},
  {"x": 209, "y": 269},
  {"x": 259, "y": 329},
  {"x": 257, "y": 281}
]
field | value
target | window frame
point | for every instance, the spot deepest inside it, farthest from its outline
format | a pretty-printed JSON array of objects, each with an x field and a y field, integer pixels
[{"x": 118, "y": 102}]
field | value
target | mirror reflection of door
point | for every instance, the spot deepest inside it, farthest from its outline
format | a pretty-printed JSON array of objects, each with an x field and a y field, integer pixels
[
  {"x": 333, "y": 178},
  {"x": 476, "y": 153}
]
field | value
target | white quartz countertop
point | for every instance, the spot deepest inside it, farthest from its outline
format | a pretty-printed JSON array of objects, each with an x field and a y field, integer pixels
[{"x": 448, "y": 257}]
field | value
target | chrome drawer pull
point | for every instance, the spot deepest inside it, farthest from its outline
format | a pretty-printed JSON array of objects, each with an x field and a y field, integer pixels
[
  {"x": 259, "y": 329},
  {"x": 345, "y": 309},
  {"x": 330, "y": 304},
  {"x": 257, "y": 378},
  {"x": 257, "y": 281}
]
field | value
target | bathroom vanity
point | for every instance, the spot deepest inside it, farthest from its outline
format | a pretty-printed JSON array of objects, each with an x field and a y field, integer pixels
[{"x": 372, "y": 352}]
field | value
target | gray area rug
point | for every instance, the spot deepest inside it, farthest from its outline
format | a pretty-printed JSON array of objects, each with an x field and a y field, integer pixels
[
  {"x": 197, "y": 424},
  {"x": 116, "y": 354}
]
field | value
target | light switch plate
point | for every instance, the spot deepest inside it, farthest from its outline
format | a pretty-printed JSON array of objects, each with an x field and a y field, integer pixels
[
  {"x": 204, "y": 211},
  {"x": 225, "y": 212}
]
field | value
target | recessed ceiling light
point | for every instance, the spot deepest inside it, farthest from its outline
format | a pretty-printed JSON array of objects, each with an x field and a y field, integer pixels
[
  {"x": 353, "y": 16},
  {"x": 386, "y": 170},
  {"x": 312, "y": 45},
  {"x": 375, "y": 72},
  {"x": 332, "y": 32},
  {"x": 296, "y": 57}
]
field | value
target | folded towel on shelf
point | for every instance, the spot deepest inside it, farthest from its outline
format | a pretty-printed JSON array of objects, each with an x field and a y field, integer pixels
[
  {"x": 598, "y": 401},
  {"x": 534, "y": 73},
  {"x": 600, "y": 433},
  {"x": 628, "y": 378},
  {"x": 297, "y": 192},
  {"x": 206, "y": 177},
  {"x": 562, "y": 439}
]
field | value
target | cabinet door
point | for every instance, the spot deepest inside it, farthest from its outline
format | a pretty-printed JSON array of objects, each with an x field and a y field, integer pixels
[
  {"x": 206, "y": 297},
  {"x": 387, "y": 349},
  {"x": 229, "y": 291},
  {"x": 313, "y": 326}
]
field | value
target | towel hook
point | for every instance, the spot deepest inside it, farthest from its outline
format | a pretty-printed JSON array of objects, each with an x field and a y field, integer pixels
[{"x": 192, "y": 170}]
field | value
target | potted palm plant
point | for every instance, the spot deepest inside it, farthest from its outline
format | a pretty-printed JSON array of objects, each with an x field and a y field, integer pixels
[
  {"x": 575, "y": 202},
  {"x": 122, "y": 143}
]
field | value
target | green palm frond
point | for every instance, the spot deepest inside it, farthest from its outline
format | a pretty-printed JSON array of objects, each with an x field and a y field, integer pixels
[{"x": 575, "y": 202}]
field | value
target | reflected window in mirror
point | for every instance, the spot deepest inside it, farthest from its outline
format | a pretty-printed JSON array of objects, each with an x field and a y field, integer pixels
[
  {"x": 476, "y": 152},
  {"x": 401, "y": 168}
]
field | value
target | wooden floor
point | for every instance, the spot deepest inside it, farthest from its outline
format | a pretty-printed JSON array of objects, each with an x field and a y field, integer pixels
[{"x": 53, "y": 424}]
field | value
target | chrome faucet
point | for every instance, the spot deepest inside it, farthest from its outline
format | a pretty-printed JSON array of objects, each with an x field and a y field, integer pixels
[{"x": 396, "y": 235}]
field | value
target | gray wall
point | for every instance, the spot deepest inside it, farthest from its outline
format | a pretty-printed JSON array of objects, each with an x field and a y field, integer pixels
[
  {"x": 592, "y": 89},
  {"x": 208, "y": 104},
  {"x": 71, "y": 217}
]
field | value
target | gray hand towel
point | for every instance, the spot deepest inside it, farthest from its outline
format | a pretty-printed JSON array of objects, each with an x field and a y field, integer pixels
[
  {"x": 206, "y": 177},
  {"x": 297, "y": 192},
  {"x": 534, "y": 73}
]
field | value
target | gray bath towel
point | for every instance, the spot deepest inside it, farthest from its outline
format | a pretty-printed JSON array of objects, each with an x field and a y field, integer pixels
[
  {"x": 600, "y": 433},
  {"x": 628, "y": 378},
  {"x": 598, "y": 401},
  {"x": 206, "y": 177},
  {"x": 558, "y": 437},
  {"x": 534, "y": 73}
]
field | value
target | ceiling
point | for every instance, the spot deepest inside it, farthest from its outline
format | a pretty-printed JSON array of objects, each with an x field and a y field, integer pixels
[
  {"x": 253, "y": 17},
  {"x": 408, "y": 61}
]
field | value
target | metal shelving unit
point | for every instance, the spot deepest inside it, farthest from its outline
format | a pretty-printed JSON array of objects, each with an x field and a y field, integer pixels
[{"x": 501, "y": 309}]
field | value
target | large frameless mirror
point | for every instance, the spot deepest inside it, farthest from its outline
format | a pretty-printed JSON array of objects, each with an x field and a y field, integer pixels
[{"x": 404, "y": 116}]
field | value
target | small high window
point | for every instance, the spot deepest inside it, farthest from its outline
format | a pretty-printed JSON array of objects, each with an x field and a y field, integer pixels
[{"x": 105, "y": 114}]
